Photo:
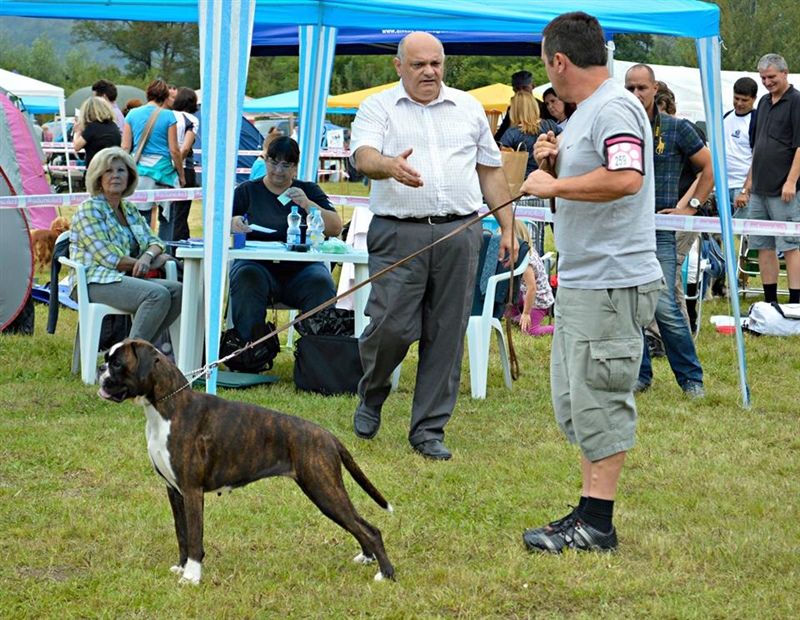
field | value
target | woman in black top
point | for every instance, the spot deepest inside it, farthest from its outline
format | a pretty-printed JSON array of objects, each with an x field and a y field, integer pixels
[
  {"x": 96, "y": 129},
  {"x": 256, "y": 285}
]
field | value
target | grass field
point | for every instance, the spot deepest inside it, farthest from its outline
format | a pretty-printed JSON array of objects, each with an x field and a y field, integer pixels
[{"x": 707, "y": 513}]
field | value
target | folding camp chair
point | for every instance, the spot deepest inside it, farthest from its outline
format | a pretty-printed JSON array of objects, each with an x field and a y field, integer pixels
[
  {"x": 747, "y": 267},
  {"x": 695, "y": 267}
]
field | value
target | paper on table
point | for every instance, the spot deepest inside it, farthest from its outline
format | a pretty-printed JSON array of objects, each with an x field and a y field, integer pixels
[
  {"x": 262, "y": 229},
  {"x": 284, "y": 198}
]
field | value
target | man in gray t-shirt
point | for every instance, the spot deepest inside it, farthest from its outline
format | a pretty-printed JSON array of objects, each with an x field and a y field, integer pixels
[{"x": 609, "y": 278}]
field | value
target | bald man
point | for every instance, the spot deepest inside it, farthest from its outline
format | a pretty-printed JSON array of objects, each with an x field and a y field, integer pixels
[{"x": 432, "y": 158}]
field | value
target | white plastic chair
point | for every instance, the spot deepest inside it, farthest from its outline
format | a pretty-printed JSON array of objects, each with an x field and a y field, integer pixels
[
  {"x": 90, "y": 319},
  {"x": 479, "y": 331}
]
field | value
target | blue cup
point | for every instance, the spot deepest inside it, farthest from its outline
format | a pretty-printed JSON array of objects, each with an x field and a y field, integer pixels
[{"x": 238, "y": 240}]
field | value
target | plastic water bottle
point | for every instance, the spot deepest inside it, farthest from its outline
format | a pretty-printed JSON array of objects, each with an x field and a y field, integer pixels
[
  {"x": 316, "y": 228},
  {"x": 293, "y": 232}
]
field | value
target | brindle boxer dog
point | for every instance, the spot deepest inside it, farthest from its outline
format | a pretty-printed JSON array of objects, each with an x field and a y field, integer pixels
[{"x": 200, "y": 443}]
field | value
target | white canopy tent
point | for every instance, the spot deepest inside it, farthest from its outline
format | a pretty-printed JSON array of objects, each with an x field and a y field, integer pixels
[
  {"x": 687, "y": 85},
  {"x": 39, "y": 97}
]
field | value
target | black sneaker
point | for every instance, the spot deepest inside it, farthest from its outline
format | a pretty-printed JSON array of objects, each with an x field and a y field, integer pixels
[
  {"x": 553, "y": 525},
  {"x": 572, "y": 533}
]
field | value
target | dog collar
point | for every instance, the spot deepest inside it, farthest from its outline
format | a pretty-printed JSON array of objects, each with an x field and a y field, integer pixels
[{"x": 171, "y": 394}]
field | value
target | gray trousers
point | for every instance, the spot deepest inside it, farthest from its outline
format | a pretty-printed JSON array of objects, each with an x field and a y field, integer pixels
[
  {"x": 155, "y": 304},
  {"x": 426, "y": 299}
]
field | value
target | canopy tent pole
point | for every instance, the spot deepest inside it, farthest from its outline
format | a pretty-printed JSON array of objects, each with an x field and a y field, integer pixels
[
  {"x": 226, "y": 29},
  {"x": 317, "y": 50},
  {"x": 708, "y": 54},
  {"x": 62, "y": 111}
]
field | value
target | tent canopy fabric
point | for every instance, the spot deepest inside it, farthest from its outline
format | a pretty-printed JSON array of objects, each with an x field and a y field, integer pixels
[
  {"x": 685, "y": 18},
  {"x": 124, "y": 94},
  {"x": 494, "y": 97},
  {"x": 273, "y": 104},
  {"x": 39, "y": 97},
  {"x": 19, "y": 165},
  {"x": 288, "y": 102},
  {"x": 352, "y": 100}
]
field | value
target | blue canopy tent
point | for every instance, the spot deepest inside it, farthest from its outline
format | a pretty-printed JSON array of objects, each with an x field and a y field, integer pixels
[
  {"x": 282, "y": 103},
  {"x": 271, "y": 40},
  {"x": 225, "y": 38}
]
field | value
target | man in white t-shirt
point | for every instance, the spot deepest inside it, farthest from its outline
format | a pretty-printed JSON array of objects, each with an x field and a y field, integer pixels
[{"x": 738, "y": 124}]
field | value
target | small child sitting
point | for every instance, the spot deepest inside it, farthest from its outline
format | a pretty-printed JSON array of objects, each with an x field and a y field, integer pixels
[{"x": 535, "y": 295}]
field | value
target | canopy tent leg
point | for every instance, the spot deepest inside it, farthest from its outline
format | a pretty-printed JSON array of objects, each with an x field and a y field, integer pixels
[
  {"x": 226, "y": 31},
  {"x": 708, "y": 54}
]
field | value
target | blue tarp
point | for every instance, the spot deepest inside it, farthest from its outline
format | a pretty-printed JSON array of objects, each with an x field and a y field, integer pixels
[{"x": 685, "y": 18}]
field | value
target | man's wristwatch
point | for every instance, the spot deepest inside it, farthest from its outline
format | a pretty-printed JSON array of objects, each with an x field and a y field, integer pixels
[
  {"x": 694, "y": 203},
  {"x": 150, "y": 254}
]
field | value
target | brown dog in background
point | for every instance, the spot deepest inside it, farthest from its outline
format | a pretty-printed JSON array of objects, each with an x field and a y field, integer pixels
[{"x": 44, "y": 241}]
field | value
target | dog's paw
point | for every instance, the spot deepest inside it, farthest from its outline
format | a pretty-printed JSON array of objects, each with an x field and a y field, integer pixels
[
  {"x": 364, "y": 559},
  {"x": 191, "y": 573},
  {"x": 184, "y": 581},
  {"x": 177, "y": 569},
  {"x": 379, "y": 576}
]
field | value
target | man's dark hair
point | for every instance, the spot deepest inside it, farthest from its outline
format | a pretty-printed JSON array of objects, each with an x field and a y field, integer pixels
[
  {"x": 284, "y": 149},
  {"x": 579, "y": 37},
  {"x": 745, "y": 86},
  {"x": 104, "y": 88},
  {"x": 185, "y": 100},
  {"x": 520, "y": 79}
]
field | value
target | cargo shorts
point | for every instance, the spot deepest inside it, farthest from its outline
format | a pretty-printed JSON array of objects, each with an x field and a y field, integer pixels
[
  {"x": 594, "y": 364},
  {"x": 772, "y": 208}
]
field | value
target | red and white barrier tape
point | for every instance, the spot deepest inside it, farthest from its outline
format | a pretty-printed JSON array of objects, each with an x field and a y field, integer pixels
[{"x": 534, "y": 214}]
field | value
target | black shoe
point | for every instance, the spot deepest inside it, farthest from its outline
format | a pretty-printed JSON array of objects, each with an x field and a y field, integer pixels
[
  {"x": 572, "y": 533},
  {"x": 366, "y": 422},
  {"x": 433, "y": 449},
  {"x": 640, "y": 387},
  {"x": 553, "y": 525}
]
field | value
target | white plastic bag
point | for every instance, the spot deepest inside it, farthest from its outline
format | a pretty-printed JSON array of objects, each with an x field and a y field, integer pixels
[{"x": 772, "y": 319}]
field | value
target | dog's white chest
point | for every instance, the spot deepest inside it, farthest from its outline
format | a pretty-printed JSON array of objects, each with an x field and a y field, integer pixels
[{"x": 157, "y": 432}]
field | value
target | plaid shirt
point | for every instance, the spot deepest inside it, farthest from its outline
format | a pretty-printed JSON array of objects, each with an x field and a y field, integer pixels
[
  {"x": 674, "y": 142},
  {"x": 98, "y": 241}
]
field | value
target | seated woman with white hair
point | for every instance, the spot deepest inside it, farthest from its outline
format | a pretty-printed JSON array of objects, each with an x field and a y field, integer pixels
[{"x": 112, "y": 240}]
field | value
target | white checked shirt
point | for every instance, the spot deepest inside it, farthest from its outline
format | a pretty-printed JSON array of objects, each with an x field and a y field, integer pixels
[{"x": 449, "y": 135}]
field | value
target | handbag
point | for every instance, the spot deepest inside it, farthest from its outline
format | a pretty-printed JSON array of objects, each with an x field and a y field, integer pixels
[
  {"x": 514, "y": 163},
  {"x": 327, "y": 364},
  {"x": 327, "y": 360}
]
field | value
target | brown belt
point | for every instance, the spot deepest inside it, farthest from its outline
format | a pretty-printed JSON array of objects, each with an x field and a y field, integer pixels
[{"x": 428, "y": 219}]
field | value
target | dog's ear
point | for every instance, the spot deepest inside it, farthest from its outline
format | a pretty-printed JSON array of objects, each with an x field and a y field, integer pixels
[{"x": 146, "y": 356}]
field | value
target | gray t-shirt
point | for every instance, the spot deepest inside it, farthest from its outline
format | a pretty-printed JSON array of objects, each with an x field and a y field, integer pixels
[{"x": 607, "y": 244}]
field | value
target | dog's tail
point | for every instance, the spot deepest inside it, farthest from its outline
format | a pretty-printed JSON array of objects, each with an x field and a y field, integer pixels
[{"x": 361, "y": 478}]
